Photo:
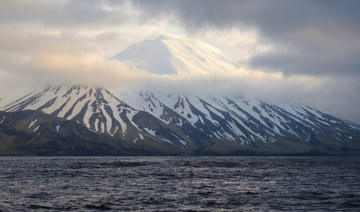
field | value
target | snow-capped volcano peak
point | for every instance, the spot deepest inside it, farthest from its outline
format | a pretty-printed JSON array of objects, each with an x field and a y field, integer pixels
[
  {"x": 174, "y": 54},
  {"x": 151, "y": 118}
]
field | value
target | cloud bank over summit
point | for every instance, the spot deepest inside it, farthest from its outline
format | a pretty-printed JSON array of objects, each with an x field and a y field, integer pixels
[{"x": 303, "y": 50}]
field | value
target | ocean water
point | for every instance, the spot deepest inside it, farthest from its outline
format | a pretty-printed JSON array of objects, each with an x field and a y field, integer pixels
[{"x": 179, "y": 184}]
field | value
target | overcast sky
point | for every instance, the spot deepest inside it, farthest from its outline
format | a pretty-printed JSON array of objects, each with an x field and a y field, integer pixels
[{"x": 306, "y": 50}]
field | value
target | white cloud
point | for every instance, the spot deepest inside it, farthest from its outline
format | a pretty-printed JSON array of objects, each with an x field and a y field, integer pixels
[{"x": 238, "y": 44}]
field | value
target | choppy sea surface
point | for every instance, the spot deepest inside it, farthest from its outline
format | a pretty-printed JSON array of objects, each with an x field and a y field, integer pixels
[{"x": 179, "y": 184}]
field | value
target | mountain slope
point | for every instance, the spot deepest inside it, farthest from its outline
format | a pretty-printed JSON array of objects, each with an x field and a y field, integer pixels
[
  {"x": 102, "y": 112},
  {"x": 197, "y": 123},
  {"x": 36, "y": 133},
  {"x": 249, "y": 122}
]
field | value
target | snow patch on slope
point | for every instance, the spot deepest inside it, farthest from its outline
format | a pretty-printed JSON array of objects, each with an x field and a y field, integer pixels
[{"x": 32, "y": 123}]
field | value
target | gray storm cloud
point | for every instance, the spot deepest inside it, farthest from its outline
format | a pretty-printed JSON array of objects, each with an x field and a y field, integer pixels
[{"x": 311, "y": 37}]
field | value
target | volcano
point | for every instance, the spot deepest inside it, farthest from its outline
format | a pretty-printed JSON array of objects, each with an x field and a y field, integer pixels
[{"x": 149, "y": 120}]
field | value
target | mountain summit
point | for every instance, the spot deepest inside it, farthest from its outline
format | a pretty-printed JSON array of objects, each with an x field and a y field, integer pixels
[{"x": 170, "y": 54}]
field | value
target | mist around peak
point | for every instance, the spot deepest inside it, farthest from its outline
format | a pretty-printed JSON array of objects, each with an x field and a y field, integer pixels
[{"x": 177, "y": 64}]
